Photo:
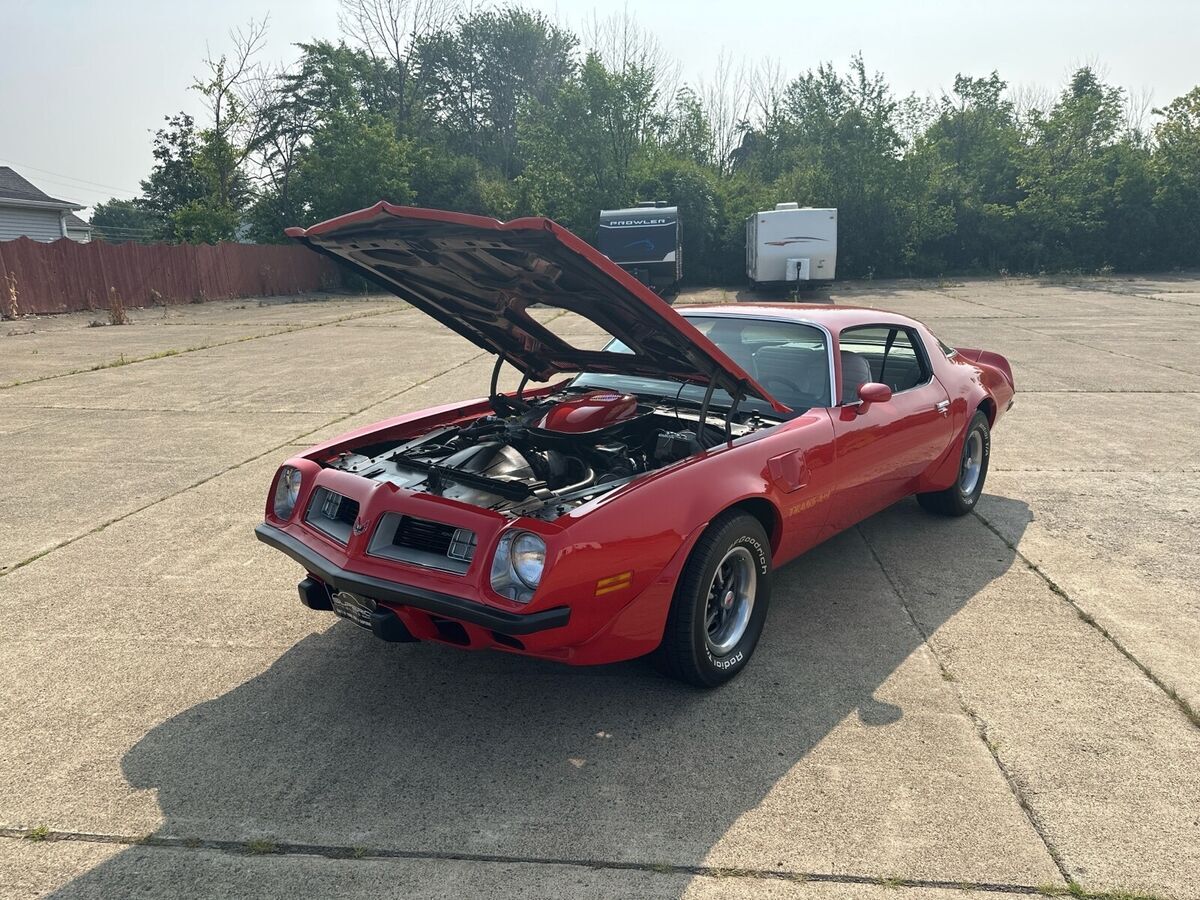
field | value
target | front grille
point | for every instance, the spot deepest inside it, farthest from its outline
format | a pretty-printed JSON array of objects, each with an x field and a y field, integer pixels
[
  {"x": 423, "y": 542},
  {"x": 332, "y": 514},
  {"x": 421, "y": 534}
]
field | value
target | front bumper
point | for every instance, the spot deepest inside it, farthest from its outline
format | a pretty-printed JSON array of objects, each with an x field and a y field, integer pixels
[{"x": 391, "y": 592}]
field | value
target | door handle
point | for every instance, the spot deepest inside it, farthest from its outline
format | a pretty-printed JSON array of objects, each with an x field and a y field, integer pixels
[{"x": 943, "y": 407}]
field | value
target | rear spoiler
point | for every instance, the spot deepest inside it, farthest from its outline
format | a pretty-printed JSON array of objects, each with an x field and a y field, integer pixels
[{"x": 995, "y": 360}]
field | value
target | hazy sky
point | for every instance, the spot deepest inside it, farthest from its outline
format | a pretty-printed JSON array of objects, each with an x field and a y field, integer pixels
[{"x": 83, "y": 85}]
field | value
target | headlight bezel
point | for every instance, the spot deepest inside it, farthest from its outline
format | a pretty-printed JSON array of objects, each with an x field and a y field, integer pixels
[
  {"x": 287, "y": 491},
  {"x": 506, "y": 579}
]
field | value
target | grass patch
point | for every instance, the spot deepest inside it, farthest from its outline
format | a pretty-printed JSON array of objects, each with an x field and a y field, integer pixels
[
  {"x": 262, "y": 846},
  {"x": 37, "y": 835},
  {"x": 729, "y": 872},
  {"x": 1074, "y": 889}
]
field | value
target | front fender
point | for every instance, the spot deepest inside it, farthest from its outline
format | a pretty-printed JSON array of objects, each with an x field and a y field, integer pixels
[
  {"x": 637, "y": 628},
  {"x": 621, "y": 554}
]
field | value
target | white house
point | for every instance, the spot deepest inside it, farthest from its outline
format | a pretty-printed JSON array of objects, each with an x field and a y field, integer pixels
[{"x": 26, "y": 211}]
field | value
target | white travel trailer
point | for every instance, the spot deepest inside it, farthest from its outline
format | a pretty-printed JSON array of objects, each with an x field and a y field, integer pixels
[{"x": 790, "y": 245}]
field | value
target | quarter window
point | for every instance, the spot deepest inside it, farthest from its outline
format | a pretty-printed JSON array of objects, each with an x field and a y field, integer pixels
[{"x": 892, "y": 354}]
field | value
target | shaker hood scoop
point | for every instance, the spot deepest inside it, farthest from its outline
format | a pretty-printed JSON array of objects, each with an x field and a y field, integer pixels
[{"x": 478, "y": 277}]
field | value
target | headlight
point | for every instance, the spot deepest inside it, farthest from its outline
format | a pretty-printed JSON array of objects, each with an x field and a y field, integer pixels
[
  {"x": 287, "y": 491},
  {"x": 518, "y": 565},
  {"x": 528, "y": 558}
]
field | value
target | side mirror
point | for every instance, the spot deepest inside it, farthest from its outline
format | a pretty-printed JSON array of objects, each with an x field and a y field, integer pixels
[{"x": 873, "y": 392}]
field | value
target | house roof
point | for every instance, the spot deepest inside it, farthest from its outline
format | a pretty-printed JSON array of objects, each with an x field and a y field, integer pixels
[
  {"x": 73, "y": 221},
  {"x": 14, "y": 187}
]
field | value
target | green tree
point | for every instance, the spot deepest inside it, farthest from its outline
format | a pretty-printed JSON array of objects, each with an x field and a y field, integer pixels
[
  {"x": 205, "y": 221},
  {"x": 117, "y": 221},
  {"x": 1176, "y": 175},
  {"x": 687, "y": 131},
  {"x": 353, "y": 162},
  {"x": 1077, "y": 167},
  {"x": 837, "y": 143},
  {"x": 496, "y": 111},
  {"x": 581, "y": 147},
  {"x": 968, "y": 159},
  {"x": 693, "y": 188},
  {"x": 478, "y": 75},
  {"x": 175, "y": 180}
]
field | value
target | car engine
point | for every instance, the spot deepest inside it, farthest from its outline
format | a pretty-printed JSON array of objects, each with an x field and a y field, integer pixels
[{"x": 541, "y": 458}]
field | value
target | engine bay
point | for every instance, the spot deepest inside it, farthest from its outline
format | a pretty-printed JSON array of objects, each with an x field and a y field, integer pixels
[{"x": 544, "y": 458}]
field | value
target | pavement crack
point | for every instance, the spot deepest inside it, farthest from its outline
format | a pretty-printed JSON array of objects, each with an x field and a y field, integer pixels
[
  {"x": 121, "y": 361},
  {"x": 1014, "y": 314},
  {"x": 1190, "y": 713},
  {"x": 977, "y": 721},
  {"x": 1131, "y": 292},
  {"x": 1086, "y": 346},
  {"x": 362, "y": 854},
  {"x": 195, "y": 484}
]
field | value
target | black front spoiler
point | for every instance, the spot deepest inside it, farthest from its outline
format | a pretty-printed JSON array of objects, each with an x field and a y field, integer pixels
[{"x": 407, "y": 595}]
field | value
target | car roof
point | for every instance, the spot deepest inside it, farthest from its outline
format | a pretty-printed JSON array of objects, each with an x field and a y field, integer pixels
[{"x": 834, "y": 318}]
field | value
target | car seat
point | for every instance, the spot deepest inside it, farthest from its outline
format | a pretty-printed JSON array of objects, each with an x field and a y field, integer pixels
[
  {"x": 856, "y": 372},
  {"x": 796, "y": 376}
]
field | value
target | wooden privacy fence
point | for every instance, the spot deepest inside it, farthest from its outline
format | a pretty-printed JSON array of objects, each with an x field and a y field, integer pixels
[{"x": 66, "y": 275}]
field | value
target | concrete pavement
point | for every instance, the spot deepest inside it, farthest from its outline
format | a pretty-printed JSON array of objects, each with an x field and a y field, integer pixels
[{"x": 1000, "y": 702}]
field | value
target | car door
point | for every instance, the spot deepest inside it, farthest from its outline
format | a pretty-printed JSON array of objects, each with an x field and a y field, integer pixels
[{"x": 881, "y": 448}]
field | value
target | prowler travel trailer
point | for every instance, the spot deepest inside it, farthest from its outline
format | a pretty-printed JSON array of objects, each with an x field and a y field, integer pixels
[
  {"x": 644, "y": 241},
  {"x": 790, "y": 246}
]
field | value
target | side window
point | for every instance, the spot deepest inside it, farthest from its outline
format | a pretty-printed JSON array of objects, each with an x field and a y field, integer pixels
[{"x": 892, "y": 355}]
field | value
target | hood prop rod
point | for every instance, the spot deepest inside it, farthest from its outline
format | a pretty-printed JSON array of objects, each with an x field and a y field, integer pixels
[
  {"x": 703, "y": 423},
  {"x": 505, "y": 406},
  {"x": 729, "y": 413}
]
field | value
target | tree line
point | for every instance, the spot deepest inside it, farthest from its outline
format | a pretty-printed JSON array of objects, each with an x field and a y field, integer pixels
[{"x": 503, "y": 112}]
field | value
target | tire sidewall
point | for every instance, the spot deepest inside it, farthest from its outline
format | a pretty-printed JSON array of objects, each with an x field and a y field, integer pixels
[
  {"x": 742, "y": 532},
  {"x": 979, "y": 423}
]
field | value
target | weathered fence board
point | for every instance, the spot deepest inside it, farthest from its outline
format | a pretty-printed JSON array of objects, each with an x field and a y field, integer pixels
[{"x": 66, "y": 275}]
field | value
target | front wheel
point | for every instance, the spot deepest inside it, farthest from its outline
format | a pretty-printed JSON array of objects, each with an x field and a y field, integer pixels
[
  {"x": 720, "y": 603},
  {"x": 961, "y": 497}
]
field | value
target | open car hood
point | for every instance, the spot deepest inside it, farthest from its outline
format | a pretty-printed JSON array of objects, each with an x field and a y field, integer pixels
[{"x": 478, "y": 277}]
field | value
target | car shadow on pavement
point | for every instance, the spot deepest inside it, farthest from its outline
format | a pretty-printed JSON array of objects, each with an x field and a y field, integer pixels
[{"x": 347, "y": 742}]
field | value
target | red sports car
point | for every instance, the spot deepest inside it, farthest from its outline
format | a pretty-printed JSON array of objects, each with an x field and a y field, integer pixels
[{"x": 641, "y": 505}]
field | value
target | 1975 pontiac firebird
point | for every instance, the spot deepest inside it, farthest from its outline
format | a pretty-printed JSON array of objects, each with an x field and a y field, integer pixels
[{"x": 641, "y": 505}]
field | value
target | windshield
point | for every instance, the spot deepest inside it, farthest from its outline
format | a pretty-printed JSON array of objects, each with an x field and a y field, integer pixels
[{"x": 789, "y": 359}]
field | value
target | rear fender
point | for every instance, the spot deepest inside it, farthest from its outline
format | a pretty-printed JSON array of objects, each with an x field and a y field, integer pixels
[
  {"x": 988, "y": 358},
  {"x": 996, "y": 376}
]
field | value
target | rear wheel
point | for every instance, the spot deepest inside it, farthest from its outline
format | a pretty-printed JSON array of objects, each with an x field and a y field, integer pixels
[
  {"x": 961, "y": 497},
  {"x": 720, "y": 603}
]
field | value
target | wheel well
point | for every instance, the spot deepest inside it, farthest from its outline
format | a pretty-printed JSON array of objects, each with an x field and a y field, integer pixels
[
  {"x": 766, "y": 513},
  {"x": 988, "y": 407}
]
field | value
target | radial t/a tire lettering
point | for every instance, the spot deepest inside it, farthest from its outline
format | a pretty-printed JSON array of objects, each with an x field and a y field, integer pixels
[
  {"x": 960, "y": 498},
  {"x": 720, "y": 603}
]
